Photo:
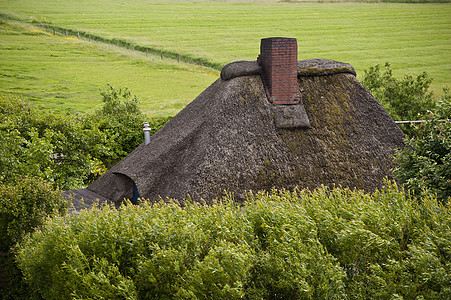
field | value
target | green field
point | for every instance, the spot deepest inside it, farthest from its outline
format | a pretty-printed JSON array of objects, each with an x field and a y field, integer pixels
[
  {"x": 412, "y": 37},
  {"x": 68, "y": 74}
]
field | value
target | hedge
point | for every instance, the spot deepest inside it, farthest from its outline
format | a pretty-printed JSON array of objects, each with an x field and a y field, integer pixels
[
  {"x": 322, "y": 244},
  {"x": 25, "y": 204}
]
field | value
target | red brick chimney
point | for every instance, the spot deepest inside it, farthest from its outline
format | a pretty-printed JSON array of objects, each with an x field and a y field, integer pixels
[{"x": 278, "y": 58}]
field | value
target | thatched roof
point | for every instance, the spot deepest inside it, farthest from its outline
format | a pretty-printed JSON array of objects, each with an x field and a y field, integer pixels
[{"x": 228, "y": 139}]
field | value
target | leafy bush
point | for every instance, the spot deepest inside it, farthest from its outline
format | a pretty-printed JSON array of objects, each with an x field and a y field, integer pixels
[
  {"x": 66, "y": 149},
  {"x": 389, "y": 246},
  {"x": 424, "y": 165},
  {"x": 120, "y": 120},
  {"x": 38, "y": 143},
  {"x": 443, "y": 110},
  {"x": 41, "y": 151},
  {"x": 324, "y": 244},
  {"x": 24, "y": 205},
  {"x": 407, "y": 99},
  {"x": 290, "y": 261}
]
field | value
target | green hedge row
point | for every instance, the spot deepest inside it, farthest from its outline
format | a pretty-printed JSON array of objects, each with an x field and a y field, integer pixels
[{"x": 324, "y": 244}]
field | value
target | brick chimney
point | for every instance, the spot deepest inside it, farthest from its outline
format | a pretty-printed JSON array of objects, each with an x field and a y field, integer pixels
[{"x": 278, "y": 58}]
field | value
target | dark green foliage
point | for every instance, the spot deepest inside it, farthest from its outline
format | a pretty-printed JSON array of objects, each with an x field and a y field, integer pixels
[
  {"x": 443, "y": 110},
  {"x": 41, "y": 151},
  {"x": 66, "y": 149},
  {"x": 120, "y": 121},
  {"x": 11, "y": 279},
  {"x": 41, "y": 144},
  {"x": 407, "y": 99},
  {"x": 424, "y": 166},
  {"x": 324, "y": 244},
  {"x": 25, "y": 204}
]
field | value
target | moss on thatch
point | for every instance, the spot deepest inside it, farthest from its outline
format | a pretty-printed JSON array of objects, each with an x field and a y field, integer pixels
[{"x": 226, "y": 140}]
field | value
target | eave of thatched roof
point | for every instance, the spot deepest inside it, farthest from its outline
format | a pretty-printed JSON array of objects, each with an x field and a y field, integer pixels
[{"x": 84, "y": 199}]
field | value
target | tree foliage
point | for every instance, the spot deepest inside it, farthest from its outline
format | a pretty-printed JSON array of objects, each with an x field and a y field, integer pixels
[
  {"x": 424, "y": 165},
  {"x": 69, "y": 150},
  {"x": 407, "y": 99},
  {"x": 25, "y": 204},
  {"x": 42, "y": 152}
]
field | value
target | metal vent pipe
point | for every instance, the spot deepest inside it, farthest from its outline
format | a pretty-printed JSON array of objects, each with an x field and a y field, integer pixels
[{"x": 147, "y": 130}]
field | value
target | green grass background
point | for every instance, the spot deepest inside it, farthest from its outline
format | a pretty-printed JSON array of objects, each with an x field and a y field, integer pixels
[
  {"x": 412, "y": 37},
  {"x": 68, "y": 74}
]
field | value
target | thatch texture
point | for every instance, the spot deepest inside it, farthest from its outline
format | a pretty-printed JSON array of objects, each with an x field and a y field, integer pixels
[
  {"x": 240, "y": 68},
  {"x": 226, "y": 140}
]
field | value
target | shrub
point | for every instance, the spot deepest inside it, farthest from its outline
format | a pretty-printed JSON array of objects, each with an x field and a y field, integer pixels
[
  {"x": 290, "y": 261},
  {"x": 41, "y": 151},
  {"x": 66, "y": 149},
  {"x": 24, "y": 205},
  {"x": 378, "y": 238},
  {"x": 121, "y": 121},
  {"x": 324, "y": 244},
  {"x": 407, "y": 99},
  {"x": 165, "y": 250},
  {"x": 443, "y": 110},
  {"x": 424, "y": 165},
  {"x": 38, "y": 143}
]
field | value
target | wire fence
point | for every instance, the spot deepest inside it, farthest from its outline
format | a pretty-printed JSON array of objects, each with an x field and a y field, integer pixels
[{"x": 421, "y": 121}]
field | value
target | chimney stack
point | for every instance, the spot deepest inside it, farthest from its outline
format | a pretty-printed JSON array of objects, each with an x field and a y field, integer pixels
[{"x": 278, "y": 58}]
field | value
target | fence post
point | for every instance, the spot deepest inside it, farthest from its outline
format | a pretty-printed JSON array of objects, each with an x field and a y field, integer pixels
[
  {"x": 78, "y": 35},
  {"x": 53, "y": 30},
  {"x": 66, "y": 32},
  {"x": 178, "y": 57},
  {"x": 201, "y": 64}
]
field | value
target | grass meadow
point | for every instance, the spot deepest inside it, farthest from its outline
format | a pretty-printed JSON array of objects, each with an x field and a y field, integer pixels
[{"x": 68, "y": 72}]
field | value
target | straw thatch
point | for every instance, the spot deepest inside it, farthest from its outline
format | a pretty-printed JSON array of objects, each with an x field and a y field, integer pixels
[{"x": 227, "y": 139}]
